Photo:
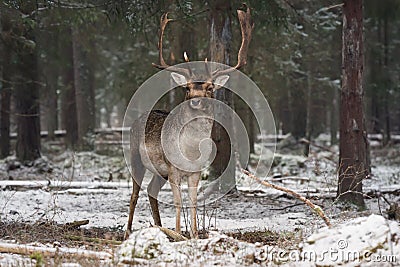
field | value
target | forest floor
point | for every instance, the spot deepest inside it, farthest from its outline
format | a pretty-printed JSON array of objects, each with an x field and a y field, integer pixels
[{"x": 40, "y": 205}]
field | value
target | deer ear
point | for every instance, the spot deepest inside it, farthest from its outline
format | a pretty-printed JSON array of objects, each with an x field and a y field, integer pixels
[
  {"x": 179, "y": 78},
  {"x": 220, "y": 81}
]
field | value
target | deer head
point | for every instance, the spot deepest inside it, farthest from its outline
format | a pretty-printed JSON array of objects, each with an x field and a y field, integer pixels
[{"x": 198, "y": 87}]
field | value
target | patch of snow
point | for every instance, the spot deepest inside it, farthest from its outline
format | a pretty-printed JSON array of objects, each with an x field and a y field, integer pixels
[
  {"x": 8, "y": 260},
  {"x": 150, "y": 246},
  {"x": 361, "y": 240}
]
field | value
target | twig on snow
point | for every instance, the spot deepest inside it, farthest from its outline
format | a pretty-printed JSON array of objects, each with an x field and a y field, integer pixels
[
  {"x": 314, "y": 207},
  {"x": 172, "y": 234}
]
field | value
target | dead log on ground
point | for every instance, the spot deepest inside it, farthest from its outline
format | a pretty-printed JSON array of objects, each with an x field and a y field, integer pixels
[{"x": 53, "y": 252}]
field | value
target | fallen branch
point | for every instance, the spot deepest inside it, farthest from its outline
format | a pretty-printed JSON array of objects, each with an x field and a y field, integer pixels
[
  {"x": 296, "y": 178},
  {"x": 287, "y": 207},
  {"x": 52, "y": 252},
  {"x": 58, "y": 185},
  {"x": 92, "y": 240},
  {"x": 315, "y": 208},
  {"x": 308, "y": 142},
  {"x": 172, "y": 234}
]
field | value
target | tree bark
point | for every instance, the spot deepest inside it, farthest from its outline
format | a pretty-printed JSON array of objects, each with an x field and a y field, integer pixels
[
  {"x": 84, "y": 92},
  {"x": 27, "y": 95},
  {"x": 49, "y": 69},
  {"x": 6, "y": 87},
  {"x": 68, "y": 104},
  {"x": 51, "y": 102},
  {"x": 220, "y": 48},
  {"x": 353, "y": 158},
  {"x": 308, "y": 113},
  {"x": 182, "y": 40},
  {"x": 333, "y": 115},
  {"x": 387, "y": 83}
]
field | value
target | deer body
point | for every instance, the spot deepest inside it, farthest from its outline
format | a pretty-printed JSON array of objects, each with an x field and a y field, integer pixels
[
  {"x": 186, "y": 128},
  {"x": 170, "y": 145}
]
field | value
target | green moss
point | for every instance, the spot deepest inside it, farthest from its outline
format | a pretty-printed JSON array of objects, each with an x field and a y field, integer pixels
[{"x": 38, "y": 257}]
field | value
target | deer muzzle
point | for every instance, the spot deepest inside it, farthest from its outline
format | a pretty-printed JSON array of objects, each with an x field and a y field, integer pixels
[{"x": 195, "y": 103}]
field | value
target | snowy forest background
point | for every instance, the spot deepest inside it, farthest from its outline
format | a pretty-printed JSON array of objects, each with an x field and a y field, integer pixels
[
  {"x": 91, "y": 57},
  {"x": 68, "y": 70}
]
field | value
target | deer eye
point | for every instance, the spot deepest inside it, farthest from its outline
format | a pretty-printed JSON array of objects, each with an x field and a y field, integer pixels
[{"x": 210, "y": 87}]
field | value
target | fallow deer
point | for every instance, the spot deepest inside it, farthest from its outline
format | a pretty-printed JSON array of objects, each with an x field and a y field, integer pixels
[{"x": 147, "y": 151}]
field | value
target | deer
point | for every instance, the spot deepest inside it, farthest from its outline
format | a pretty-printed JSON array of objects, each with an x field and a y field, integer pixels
[{"x": 147, "y": 150}]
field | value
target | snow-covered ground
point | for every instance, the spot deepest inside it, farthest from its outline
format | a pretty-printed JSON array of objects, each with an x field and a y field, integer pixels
[
  {"x": 364, "y": 241},
  {"x": 79, "y": 186}
]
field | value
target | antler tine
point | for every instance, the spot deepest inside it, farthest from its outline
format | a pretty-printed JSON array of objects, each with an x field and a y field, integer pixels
[
  {"x": 246, "y": 26},
  {"x": 185, "y": 56},
  {"x": 163, "y": 23},
  {"x": 207, "y": 68}
]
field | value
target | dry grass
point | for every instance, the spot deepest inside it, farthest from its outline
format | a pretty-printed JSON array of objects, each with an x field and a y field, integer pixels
[
  {"x": 267, "y": 237},
  {"x": 95, "y": 239},
  {"x": 57, "y": 233}
]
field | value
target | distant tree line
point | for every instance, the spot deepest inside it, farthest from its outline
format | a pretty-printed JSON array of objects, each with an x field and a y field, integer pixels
[{"x": 64, "y": 63}]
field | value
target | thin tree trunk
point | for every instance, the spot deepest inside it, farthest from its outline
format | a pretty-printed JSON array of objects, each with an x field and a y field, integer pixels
[
  {"x": 251, "y": 130},
  {"x": 52, "y": 111},
  {"x": 353, "y": 159},
  {"x": 5, "y": 93},
  {"x": 5, "y": 107},
  {"x": 27, "y": 96},
  {"x": 221, "y": 35},
  {"x": 334, "y": 119},
  {"x": 290, "y": 125},
  {"x": 308, "y": 113},
  {"x": 387, "y": 136},
  {"x": 83, "y": 81},
  {"x": 68, "y": 104},
  {"x": 49, "y": 69}
]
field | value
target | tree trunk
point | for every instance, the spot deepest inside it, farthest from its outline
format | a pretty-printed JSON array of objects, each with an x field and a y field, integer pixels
[
  {"x": 49, "y": 69},
  {"x": 27, "y": 95},
  {"x": 182, "y": 40},
  {"x": 308, "y": 114},
  {"x": 84, "y": 95},
  {"x": 387, "y": 83},
  {"x": 334, "y": 119},
  {"x": 353, "y": 159},
  {"x": 51, "y": 102},
  {"x": 220, "y": 42},
  {"x": 68, "y": 104},
  {"x": 6, "y": 88}
]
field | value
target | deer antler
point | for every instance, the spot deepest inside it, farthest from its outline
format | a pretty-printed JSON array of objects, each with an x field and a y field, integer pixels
[
  {"x": 163, "y": 23},
  {"x": 246, "y": 26},
  {"x": 207, "y": 68}
]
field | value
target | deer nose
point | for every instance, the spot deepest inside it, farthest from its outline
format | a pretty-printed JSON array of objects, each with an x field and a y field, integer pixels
[{"x": 195, "y": 102}]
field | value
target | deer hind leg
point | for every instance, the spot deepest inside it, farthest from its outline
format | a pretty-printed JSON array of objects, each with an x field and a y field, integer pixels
[
  {"x": 193, "y": 182},
  {"x": 138, "y": 171},
  {"x": 154, "y": 187}
]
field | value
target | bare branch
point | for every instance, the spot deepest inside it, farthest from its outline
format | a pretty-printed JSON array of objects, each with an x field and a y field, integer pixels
[{"x": 315, "y": 208}]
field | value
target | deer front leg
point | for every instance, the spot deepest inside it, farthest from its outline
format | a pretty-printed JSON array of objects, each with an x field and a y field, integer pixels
[
  {"x": 175, "y": 181},
  {"x": 193, "y": 182}
]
